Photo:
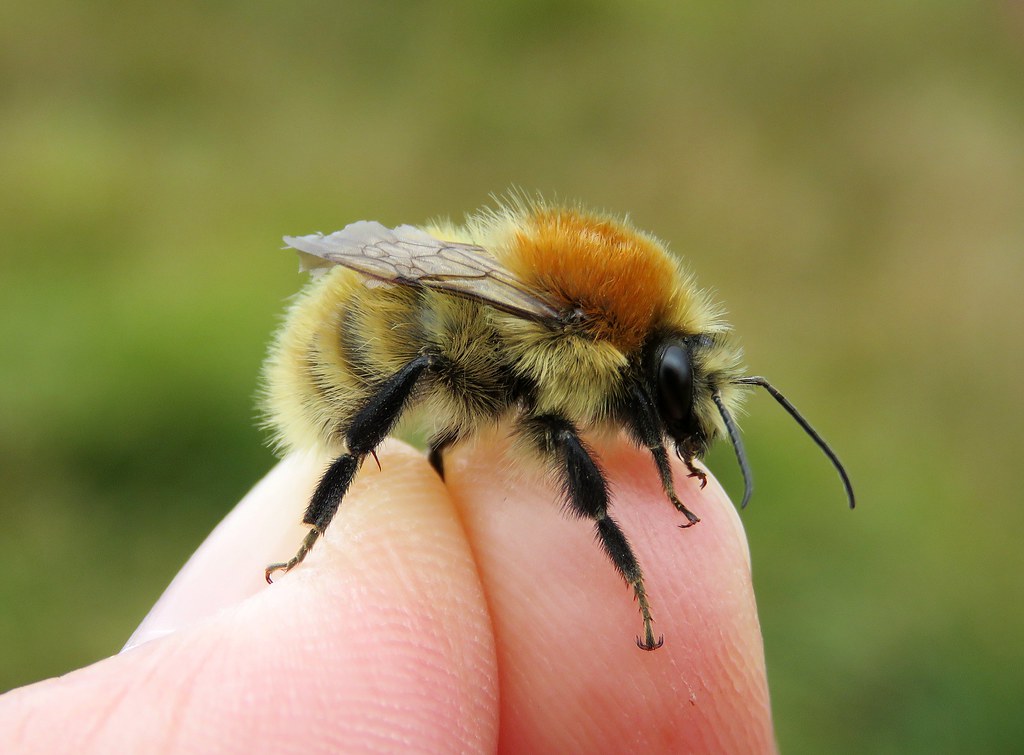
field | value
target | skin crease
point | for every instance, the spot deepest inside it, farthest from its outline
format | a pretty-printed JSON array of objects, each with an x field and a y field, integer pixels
[{"x": 471, "y": 617}]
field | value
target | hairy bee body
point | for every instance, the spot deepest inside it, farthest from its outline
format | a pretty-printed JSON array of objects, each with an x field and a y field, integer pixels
[
  {"x": 345, "y": 335},
  {"x": 555, "y": 321},
  {"x": 343, "y": 339}
]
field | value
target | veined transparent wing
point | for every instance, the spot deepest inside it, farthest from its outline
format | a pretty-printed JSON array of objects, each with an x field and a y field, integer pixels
[{"x": 408, "y": 256}]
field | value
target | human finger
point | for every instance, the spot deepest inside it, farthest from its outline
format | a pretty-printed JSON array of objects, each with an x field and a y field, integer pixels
[
  {"x": 571, "y": 677},
  {"x": 380, "y": 639}
]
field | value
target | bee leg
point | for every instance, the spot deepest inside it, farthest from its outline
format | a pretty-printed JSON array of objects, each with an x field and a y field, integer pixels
[
  {"x": 642, "y": 422},
  {"x": 665, "y": 472},
  {"x": 700, "y": 474},
  {"x": 326, "y": 498},
  {"x": 586, "y": 491},
  {"x": 367, "y": 430},
  {"x": 438, "y": 445}
]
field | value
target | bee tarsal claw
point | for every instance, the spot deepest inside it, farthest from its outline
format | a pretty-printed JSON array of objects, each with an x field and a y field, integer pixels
[
  {"x": 282, "y": 567},
  {"x": 700, "y": 474},
  {"x": 691, "y": 518},
  {"x": 650, "y": 643}
]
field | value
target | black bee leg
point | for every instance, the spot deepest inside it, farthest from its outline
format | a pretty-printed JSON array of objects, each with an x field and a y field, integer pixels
[
  {"x": 326, "y": 498},
  {"x": 665, "y": 472},
  {"x": 586, "y": 492},
  {"x": 367, "y": 430},
  {"x": 438, "y": 445},
  {"x": 642, "y": 422}
]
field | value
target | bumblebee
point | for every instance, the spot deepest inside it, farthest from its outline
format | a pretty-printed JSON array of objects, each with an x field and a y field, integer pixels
[{"x": 559, "y": 322}]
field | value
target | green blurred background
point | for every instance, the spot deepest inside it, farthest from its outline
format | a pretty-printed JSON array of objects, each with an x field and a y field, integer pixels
[{"x": 849, "y": 176}]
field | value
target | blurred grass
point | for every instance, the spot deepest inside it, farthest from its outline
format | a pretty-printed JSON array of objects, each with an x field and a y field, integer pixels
[{"x": 850, "y": 177}]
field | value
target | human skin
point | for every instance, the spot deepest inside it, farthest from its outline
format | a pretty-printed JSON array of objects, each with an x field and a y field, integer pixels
[{"x": 469, "y": 615}]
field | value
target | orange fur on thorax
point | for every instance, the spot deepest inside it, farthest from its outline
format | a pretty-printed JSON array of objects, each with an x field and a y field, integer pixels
[{"x": 621, "y": 280}]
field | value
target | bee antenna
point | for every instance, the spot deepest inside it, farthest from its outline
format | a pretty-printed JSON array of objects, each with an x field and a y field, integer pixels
[
  {"x": 737, "y": 443},
  {"x": 755, "y": 380}
]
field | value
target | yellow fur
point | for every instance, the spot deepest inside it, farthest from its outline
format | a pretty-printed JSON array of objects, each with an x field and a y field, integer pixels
[{"x": 575, "y": 370}]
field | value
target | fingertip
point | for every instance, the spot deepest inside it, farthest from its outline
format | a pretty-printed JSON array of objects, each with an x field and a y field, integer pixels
[
  {"x": 564, "y": 620},
  {"x": 700, "y": 580}
]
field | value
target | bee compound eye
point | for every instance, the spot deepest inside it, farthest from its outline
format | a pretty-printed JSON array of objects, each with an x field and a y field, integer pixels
[{"x": 675, "y": 384}]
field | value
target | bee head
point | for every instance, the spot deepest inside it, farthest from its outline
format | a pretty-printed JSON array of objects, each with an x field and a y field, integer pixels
[
  {"x": 683, "y": 373},
  {"x": 696, "y": 384}
]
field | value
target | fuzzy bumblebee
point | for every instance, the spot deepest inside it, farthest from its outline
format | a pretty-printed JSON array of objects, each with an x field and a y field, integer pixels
[{"x": 553, "y": 320}]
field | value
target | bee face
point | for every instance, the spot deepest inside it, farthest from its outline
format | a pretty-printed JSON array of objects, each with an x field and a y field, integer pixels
[{"x": 682, "y": 373}]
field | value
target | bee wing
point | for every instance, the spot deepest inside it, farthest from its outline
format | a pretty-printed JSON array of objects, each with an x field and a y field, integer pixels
[{"x": 408, "y": 256}]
